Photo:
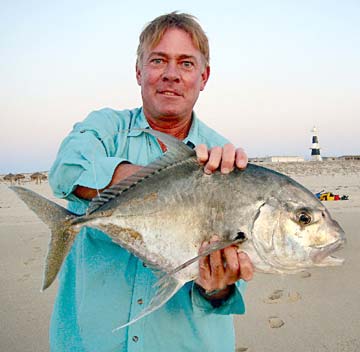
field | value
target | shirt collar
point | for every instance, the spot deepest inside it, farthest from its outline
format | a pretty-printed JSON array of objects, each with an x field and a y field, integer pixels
[
  {"x": 193, "y": 135},
  {"x": 140, "y": 122}
]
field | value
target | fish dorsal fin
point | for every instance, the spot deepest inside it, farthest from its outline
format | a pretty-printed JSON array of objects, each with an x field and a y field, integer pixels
[
  {"x": 176, "y": 151},
  {"x": 177, "y": 148}
]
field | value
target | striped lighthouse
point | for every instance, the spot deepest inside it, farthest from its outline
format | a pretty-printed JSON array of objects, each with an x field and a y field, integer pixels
[{"x": 315, "y": 148}]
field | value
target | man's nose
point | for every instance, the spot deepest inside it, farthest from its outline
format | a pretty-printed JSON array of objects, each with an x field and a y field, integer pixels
[{"x": 171, "y": 72}]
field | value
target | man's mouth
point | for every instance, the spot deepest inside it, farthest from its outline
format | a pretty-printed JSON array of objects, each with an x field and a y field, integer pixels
[{"x": 169, "y": 93}]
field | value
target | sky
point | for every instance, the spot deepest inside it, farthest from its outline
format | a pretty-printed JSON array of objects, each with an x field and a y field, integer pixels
[{"x": 278, "y": 68}]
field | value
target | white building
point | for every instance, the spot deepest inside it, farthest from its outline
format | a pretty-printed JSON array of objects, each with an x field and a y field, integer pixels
[{"x": 278, "y": 159}]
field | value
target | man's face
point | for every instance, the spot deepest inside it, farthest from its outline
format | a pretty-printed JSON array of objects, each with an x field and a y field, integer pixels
[{"x": 171, "y": 76}]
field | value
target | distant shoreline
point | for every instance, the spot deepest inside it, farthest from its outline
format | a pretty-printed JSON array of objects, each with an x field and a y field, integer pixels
[{"x": 295, "y": 168}]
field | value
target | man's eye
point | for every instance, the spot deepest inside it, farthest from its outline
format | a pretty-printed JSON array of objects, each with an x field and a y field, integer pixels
[
  {"x": 187, "y": 64},
  {"x": 157, "y": 61}
]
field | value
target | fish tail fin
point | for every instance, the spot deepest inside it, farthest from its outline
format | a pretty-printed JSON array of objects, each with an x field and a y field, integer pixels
[
  {"x": 58, "y": 219},
  {"x": 166, "y": 290}
]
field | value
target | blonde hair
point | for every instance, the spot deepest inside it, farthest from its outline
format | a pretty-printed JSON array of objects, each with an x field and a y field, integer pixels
[{"x": 154, "y": 31}]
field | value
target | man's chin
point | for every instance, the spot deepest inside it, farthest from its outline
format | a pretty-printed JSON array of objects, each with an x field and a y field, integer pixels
[
  {"x": 171, "y": 114},
  {"x": 168, "y": 113}
]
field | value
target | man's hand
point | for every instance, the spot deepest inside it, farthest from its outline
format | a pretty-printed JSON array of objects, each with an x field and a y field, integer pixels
[
  {"x": 225, "y": 158},
  {"x": 221, "y": 269}
]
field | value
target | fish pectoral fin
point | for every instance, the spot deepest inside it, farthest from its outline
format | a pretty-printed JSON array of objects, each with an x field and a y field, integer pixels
[
  {"x": 166, "y": 290},
  {"x": 213, "y": 247}
]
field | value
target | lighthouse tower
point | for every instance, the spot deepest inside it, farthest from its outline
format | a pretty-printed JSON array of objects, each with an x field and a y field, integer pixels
[{"x": 315, "y": 148}]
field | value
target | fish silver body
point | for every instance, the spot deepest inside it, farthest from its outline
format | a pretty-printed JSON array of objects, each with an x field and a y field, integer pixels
[
  {"x": 166, "y": 218},
  {"x": 163, "y": 213}
]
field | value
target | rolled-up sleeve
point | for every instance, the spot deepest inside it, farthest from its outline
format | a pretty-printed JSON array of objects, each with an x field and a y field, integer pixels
[
  {"x": 233, "y": 305},
  {"x": 86, "y": 157}
]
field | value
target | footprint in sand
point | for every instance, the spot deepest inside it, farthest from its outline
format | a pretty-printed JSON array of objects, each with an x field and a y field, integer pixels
[
  {"x": 293, "y": 296},
  {"x": 278, "y": 296},
  {"x": 274, "y": 297},
  {"x": 24, "y": 277},
  {"x": 275, "y": 322},
  {"x": 29, "y": 261},
  {"x": 305, "y": 274}
]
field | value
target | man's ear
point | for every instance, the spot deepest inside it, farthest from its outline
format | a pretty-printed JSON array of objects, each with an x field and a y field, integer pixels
[
  {"x": 205, "y": 76},
  {"x": 138, "y": 74}
]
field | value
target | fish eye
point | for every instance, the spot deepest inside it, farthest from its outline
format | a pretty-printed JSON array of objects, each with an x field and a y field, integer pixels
[
  {"x": 304, "y": 218},
  {"x": 241, "y": 236}
]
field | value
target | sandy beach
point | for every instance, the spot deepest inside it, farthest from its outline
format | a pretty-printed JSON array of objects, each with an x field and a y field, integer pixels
[{"x": 313, "y": 311}]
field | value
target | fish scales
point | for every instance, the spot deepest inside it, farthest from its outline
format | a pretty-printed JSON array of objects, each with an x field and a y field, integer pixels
[
  {"x": 173, "y": 216},
  {"x": 163, "y": 213},
  {"x": 172, "y": 229}
]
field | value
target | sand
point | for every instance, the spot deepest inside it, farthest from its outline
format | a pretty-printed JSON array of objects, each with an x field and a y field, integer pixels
[
  {"x": 318, "y": 310},
  {"x": 314, "y": 311}
]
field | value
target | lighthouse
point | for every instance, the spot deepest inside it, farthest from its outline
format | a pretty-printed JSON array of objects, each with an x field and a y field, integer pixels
[{"x": 315, "y": 148}]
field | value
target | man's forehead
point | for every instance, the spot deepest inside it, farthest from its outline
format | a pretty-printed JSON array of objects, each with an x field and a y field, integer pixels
[{"x": 173, "y": 39}]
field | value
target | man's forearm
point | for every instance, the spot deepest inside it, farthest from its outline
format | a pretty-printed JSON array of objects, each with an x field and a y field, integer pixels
[{"x": 121, "y": 172}]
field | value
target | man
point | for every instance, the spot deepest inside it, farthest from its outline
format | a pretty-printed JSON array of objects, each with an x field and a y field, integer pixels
[{"x": 101, "y": 284}]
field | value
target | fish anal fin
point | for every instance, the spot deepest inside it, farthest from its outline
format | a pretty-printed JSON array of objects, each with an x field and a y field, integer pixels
[{"x": 166, "y": 290}]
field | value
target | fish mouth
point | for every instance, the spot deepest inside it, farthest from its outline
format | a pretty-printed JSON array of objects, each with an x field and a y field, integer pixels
[{"x": 321, "y": 256}]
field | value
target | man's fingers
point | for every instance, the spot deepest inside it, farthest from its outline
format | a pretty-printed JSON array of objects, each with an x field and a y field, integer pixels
[
  {"x": 214, "y": 160},
  {"x": 216, "y": 262},
  {"x": 202, "y": 153},
  {"x": 204, "y": 265},
  {"x": 228, "y": 158},
  {"x": 221, "y": 158},
  {"x": 246, "y": 267},
  {"x": 204, "y": 269},
  {"x": 241, "y": 158},
  {"x": 232, "y": 265}
]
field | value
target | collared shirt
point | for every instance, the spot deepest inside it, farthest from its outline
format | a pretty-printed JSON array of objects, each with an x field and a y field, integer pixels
[{"x": 101, "y": 285}]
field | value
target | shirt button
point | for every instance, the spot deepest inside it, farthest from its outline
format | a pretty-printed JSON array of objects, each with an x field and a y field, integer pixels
[
  {"x": 140, "y": 301},
  {"x": 135, "y": 338}
]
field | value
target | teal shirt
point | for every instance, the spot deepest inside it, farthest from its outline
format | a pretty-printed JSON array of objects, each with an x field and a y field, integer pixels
[{"x": 101, "y": 285}]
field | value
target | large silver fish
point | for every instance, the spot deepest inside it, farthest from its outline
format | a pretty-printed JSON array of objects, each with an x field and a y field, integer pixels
[{"x": 164, "y": 212}]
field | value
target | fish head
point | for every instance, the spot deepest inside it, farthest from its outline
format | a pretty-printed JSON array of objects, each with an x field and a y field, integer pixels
[{"x": 295, "y": 233}]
